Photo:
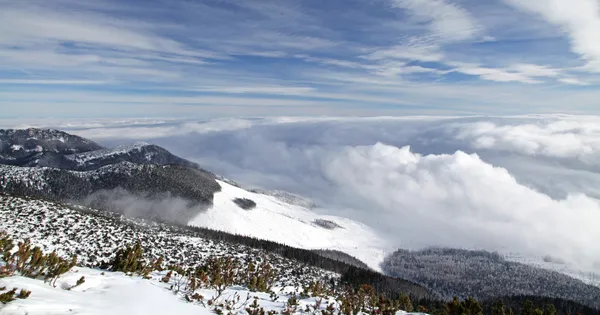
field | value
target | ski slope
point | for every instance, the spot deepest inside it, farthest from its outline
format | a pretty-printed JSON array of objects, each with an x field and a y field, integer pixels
[{"x": 293, "y": 225}]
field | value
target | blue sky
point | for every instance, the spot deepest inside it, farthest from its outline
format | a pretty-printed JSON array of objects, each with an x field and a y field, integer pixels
[{"x": 220, "y": 58}]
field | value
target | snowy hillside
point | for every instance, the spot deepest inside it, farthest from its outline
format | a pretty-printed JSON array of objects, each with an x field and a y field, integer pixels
[
  {"x": 95, "y": 236},
  {"x": 139, "y": 153},
  {"x": 284, "y": 196},
  {"x": 118, "y": 294},
  {"x": 27, "y": 146},
  {"x": 293, "y": 225},
  {"x": 548, "y": 263},
  {"x": 169, "y": 193},
  {"x": 57, "y": 149},
  {"x": 485, "y": 275}
]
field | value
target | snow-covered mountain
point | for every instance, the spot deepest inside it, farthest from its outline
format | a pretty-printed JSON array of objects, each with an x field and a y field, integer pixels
[
  {"x": 138, "y": 153},
  {"x": 481, "y": 274},
  {"x": 26, "y": 147},
  {"x": 57, "y": 149},
  {"x": 165, "y": 192},
  {"x": 549, "y": 263},
  {"x": 294, "y": 225}
]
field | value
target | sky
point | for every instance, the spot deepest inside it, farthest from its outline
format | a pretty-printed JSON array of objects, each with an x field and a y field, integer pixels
[
  {"x": 527, "y": 185},
  {"x": 226, "y": 58}
]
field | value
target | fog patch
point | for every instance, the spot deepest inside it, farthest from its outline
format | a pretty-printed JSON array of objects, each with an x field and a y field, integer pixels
[{"x": 161, "y": 207}]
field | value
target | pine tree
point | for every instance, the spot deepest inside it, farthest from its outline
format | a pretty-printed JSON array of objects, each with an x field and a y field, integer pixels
[
  {"x": 405, "y": 303},
  {"x": 528, "y": 308},
  {"x": 498, "y": 309},
  {"x": 454, "y": 307},
  {"x": 550, "y": 310},
  {"x": 472, "y": 307}
]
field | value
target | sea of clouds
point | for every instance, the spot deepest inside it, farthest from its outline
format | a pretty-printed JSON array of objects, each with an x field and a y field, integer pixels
[{"x": 527, "y": 184}]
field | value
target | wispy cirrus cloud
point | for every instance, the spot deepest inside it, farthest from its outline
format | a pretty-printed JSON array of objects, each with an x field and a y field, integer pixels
[
  {"x": 381, "y": 57},
  {"x": 446, "y": 20}
]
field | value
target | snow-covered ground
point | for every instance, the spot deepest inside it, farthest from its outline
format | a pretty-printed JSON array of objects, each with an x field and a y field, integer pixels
[
  {"x": 115, "y": 293},
  {"x": 95, "y": 236},
  {"x": 273, "y": 219},
  {"x": 101, "y": 293}
]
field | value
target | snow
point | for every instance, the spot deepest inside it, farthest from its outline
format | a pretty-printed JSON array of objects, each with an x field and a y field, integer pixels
[
  {"x": 16, "y": 147},
  {"x": 112, "y": 293},
  {"x": 85, "y": 157},
  {"x": 293, "y": 225},
  {"x": 116, "y": 293}
]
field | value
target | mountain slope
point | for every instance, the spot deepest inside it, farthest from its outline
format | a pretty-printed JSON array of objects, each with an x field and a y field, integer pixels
[
  {"x": 485, "y": 275},
  {"x": 166, "y": 193},
  {"x": 25, "y": 147},
  {"x": 57, "y": 149},
  {"x": 138, "y": 153},
  {"x": 273, "y": 219}
]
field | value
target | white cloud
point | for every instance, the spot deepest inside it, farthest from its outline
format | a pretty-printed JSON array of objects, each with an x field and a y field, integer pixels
[
  {"x": 535, "y": 70},
  {"x": 400, "y": 62},
  {"x": 51, "y": 82},
  {"x": 447, "y": 20},
  {"x": 520, "y": 72},
  {"x": 407, "y": 52},
  {"x": 458, "y": 200},
  {"x": 569, "y": 138},
  {"x": 281, "y": 90},
  {"x": 579, "y": 19},
  {"x": 572, "y": 81},
  {"x": 391, "y": 69},
  {"x": 32, "y": 26},
  {"x": 493, "y": 74}
]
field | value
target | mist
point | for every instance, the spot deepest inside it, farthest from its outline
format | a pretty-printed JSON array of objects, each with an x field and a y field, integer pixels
[{"x": 158, "y": 207}]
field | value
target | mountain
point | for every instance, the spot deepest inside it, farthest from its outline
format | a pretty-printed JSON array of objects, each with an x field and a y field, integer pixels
[
  {"x": 52, "y": 148},
  {"x": 485, "y": 275},
  {"x": 171, "y": 193},
  {"x": 25, "y": 147},
  {"x": 138, "y": 153}
]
